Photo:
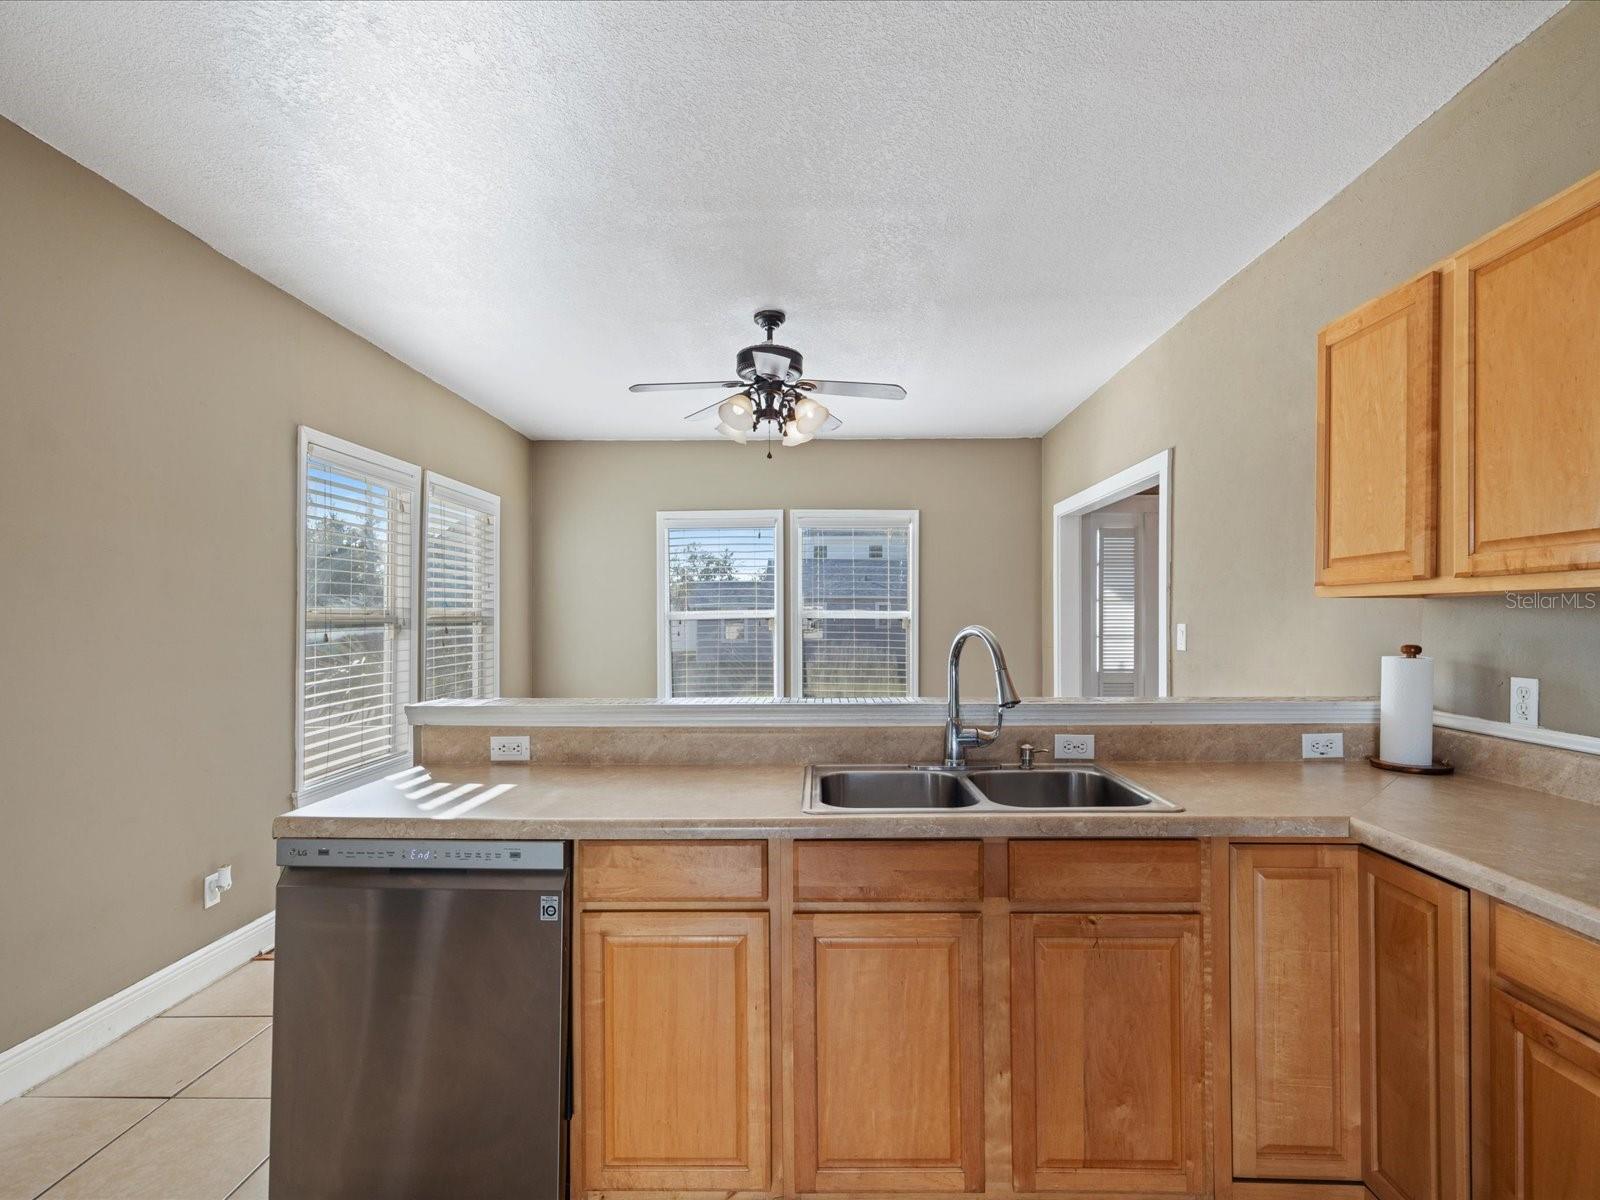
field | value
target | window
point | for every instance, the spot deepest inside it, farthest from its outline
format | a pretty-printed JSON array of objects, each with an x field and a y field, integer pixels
[
  {"x": 720, "y": 596},
  {"x": 1119, "y": 576},
  {"x": 855, "y": 625},
  {"x": 460, "y": 592},
  {"x": 354, "y": 674},
  {"x": 1115, "y": 606}
]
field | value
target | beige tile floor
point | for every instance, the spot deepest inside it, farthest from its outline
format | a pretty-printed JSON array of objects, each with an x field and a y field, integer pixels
[{"x": 174, "y": 1110}]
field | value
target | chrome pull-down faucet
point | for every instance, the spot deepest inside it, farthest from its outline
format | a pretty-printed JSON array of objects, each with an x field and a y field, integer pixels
[{"x": 958, "y": 737}]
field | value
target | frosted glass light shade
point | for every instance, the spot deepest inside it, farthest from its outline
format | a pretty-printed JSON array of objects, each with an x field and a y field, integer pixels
[
  {"x": 793, "y": 436},
  {"x": 732, "y": 433},
  {"x": 809, "y": 415},
  {"x": 735, "y": 411}
]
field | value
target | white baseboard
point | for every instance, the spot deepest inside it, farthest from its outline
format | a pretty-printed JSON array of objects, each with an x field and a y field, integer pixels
[
  {"x": 30, "y": 1063},
  {"x": 1535, "y": 735}
]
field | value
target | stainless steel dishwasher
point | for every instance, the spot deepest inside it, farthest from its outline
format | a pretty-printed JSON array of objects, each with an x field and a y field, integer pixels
[{"x": 420, "y": 1020}]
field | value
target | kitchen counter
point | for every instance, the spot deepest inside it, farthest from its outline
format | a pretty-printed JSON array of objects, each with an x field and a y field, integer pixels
[{"x": 1531, "y": 849}]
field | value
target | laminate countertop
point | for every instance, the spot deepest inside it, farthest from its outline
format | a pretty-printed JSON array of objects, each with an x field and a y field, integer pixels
[{"x": 1537, "y": 851}]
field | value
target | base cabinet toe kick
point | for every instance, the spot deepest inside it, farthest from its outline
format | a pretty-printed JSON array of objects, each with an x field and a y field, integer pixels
[{"x": 1247, "y": 1020}]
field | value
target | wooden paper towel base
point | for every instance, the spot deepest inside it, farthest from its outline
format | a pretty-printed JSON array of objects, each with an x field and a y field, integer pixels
[{"x": 1439, "y": 767}]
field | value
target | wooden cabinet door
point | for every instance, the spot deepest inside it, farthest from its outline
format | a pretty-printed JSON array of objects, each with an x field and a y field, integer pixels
[
  {"x": 1544, "y": 1105},
  {"x": 675, "y": 1050},
  {"x": 1413, "y": 1033},
  {"x": 1527, "y": 392},
  {"x": 1378, "y": 439},
  {"x": 888, "y": 1052},
  {"x": 1107, "y": 1064},
  {"x": 1295, "y": 990}
]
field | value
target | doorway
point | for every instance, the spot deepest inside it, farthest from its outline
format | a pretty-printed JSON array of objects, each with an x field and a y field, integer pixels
[{"x": 1112, "y": 551}]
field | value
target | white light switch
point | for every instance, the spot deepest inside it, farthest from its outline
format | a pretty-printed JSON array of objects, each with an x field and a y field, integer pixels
[{"x": 1181, "y": 636}]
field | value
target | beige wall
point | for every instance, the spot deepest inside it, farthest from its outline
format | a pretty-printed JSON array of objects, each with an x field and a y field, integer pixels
[
  {"x": 149, "y": 393},
  {"x": 594, "y": 527},
  {"x": 1232, "y": 388}
]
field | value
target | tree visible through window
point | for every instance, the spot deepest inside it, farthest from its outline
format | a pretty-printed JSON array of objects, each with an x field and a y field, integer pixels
[
  {"x": 355, "y": 668},
  {"x": 722, "y": 589}
]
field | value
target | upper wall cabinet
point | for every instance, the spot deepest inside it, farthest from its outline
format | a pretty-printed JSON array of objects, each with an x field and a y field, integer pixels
[
  {"x": 1527, "y": 392},
  {"x": 1458, "y": 419},
  {"x": 1377, "y": 439}
]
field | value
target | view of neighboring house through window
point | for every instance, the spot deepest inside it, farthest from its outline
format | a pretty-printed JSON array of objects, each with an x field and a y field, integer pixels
[
  {"x": 460, "y": 592},
  {"x": 720, "y": 595},
  {"x": 357, "y": 509},
  {"x": 856, "y": 616}
]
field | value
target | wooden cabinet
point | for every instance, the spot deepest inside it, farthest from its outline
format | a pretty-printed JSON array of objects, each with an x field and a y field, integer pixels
[
  {"x": 1544, "y": 1107},
  {"x": 675, "y": 1050},
  {"x": 1509, "y": 491},
  {"x": 1295, "y": 994},
  {"x": 1527, "y": 392},
  {"x": 888, "y": 1052},
  {"x": 654, "y": 872},
  {"x": 1536, "y": 1057},
  {"x": 1107, "y": 1064},
  {"x": 1413, "y": 1033},
  {"x": 1377, "y": 439}
]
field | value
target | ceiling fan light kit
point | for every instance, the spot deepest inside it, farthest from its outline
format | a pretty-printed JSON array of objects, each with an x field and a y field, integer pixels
[{"x": 774, "y": 392}]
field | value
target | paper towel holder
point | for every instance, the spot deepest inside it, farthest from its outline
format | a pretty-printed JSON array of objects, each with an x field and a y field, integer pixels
[{"x": 1440, "y": 766}]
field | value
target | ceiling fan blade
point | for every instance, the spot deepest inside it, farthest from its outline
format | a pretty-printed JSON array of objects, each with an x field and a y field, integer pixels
[
  {"x": 841, "y": 387},
  {"x": 701, "y": 414},
  {"x": 830, "y": 424},
  {"x": 722, "y": 384}
]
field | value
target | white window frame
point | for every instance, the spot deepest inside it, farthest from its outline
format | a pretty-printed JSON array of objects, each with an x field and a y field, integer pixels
[
  {"x": 844, "y": 518},
  {"x": 406, "y": 689},
  {"x": 474, "y": 498},
  {"x": 733, "y": 518}
]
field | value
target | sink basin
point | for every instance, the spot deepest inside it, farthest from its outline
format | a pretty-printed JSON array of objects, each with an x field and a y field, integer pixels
[
  {"x": 905, "y": 788},
  {"x": 977, "y": 789},
  {"x": 1063, "y": 787}
]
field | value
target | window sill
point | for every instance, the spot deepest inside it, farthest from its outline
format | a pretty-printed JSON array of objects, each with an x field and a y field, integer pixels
[{"x": 345, "y": 783}]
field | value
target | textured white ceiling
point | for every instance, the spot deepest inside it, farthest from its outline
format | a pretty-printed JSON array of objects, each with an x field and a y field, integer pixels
[{"x": 996, "y": 205}]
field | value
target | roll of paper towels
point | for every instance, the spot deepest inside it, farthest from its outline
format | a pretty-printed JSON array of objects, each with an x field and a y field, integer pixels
[{"x": 1405, "y": 708}]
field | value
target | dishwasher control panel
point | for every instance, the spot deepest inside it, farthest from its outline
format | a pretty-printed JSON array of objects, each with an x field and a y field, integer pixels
[{"x": 439, "y": 854}]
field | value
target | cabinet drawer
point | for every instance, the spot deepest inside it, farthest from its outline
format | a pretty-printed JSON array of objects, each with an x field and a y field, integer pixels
[
  {"x": 1106, "y": 872},
  {"x": 932, "y": 870},
  {"x": 1546, "y": 959},
  {"x": 635, "y": 872}
]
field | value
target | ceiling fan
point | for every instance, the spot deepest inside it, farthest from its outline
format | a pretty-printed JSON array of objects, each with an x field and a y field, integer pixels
[{"x": 772, "y": 391}]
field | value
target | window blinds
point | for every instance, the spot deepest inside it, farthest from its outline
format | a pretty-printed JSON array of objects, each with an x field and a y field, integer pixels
[
  {"x": 720, "y": 579},
  {"x": 460, "y": 606},
  {"x": 856, "y": 615},
  {"x": 355, "y": 669},
  {"x": 1116, "y": 610}
]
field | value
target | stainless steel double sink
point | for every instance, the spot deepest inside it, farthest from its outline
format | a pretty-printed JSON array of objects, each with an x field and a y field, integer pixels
[{"x": 976, "y": 789}]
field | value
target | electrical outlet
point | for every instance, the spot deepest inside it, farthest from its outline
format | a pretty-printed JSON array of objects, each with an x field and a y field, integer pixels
[
  {"x": 508, "y": 749},
  {"x": 1322, "y": 745},
  {"x": 1074, "y": 745},
  {"x": 1182, "y": 637},
  {"x": 1524, "y": 701},
  {"x": 214, "y": 884}
]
